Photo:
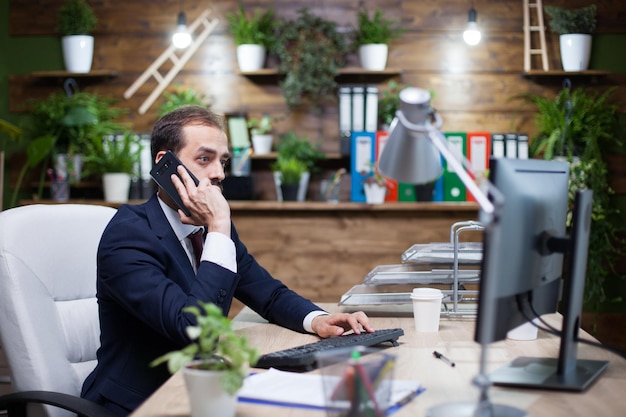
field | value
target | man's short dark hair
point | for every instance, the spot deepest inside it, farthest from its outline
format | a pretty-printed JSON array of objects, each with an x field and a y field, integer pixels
[{"x": 167, "y": 132}]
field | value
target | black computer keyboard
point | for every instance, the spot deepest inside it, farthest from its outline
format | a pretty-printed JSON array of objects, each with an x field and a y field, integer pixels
[{"x": 302, "y": 358}]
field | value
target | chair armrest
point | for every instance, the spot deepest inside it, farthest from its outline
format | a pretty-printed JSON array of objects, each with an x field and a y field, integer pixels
[{"x": 15, "y": 403}]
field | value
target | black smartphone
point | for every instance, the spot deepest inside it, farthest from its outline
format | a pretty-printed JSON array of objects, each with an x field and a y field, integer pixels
[{"x": 162, "y": 175}]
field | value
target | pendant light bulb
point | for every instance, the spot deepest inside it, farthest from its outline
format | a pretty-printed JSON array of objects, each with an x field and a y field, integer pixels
[
  {"x": 471, "y": 36},
  {"x": 181, "y": 38}
]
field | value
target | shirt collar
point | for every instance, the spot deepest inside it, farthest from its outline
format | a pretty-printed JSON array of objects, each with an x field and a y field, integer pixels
[{"x": 181, "y": 229}]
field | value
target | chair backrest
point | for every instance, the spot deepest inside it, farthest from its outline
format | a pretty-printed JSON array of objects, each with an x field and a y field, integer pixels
[{"x": 49, "y": 327}]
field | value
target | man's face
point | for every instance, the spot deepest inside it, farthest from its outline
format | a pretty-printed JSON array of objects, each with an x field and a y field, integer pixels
[{"x": 205, "y": 152}]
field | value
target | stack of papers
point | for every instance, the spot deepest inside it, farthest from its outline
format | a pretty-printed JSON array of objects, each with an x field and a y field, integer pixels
[{"x": 291, "y": 389}]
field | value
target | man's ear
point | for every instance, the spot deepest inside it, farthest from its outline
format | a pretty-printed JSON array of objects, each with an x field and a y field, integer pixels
[{"x": 158, "y": 156}]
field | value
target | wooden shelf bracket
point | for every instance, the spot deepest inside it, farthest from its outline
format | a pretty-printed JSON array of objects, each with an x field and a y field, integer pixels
[{"x": 179, "y": 62}]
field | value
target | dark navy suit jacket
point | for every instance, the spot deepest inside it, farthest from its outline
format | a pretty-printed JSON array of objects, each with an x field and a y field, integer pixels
[{"x": 144, "y": 281}]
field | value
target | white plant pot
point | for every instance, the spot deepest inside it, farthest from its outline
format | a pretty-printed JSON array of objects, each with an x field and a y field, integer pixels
[
  {"x": 262, "y": 144},
  {"x": 374, "y": 193},
  {"x": 77, "y": 53},
  {"x": 116, "y": 187},
  {"x": 575, "y": 51},
  {"x": 373, "y": 57},
  {"x": 302, "y": 187},
  {"x": 250, "y": 57},
  {"x": 207, "y": 398}
]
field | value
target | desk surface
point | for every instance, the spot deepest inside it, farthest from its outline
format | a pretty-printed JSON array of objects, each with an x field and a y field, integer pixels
[{"x": 443, "y": 383}]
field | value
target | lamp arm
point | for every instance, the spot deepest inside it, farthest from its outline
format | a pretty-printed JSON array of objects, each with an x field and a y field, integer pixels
[{"x": 481, "y": 198}]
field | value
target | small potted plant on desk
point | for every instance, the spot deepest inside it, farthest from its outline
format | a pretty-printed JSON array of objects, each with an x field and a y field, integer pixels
[{"x": 214, "y": 364}]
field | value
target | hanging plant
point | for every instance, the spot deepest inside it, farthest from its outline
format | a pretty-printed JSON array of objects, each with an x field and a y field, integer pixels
[{"x": 311, "y": 51}]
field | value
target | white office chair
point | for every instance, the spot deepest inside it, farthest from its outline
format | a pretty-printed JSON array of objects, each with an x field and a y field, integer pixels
[{"x": 49, "y": 327}]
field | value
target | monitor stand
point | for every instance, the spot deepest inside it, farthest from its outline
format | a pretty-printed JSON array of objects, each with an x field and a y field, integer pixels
[
  {"x": 542, "y": 373},
  {"x": 566, "y": 373}
]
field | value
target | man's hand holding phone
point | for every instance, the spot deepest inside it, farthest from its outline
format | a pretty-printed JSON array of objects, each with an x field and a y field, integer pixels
[{"x": 205, "y": 202}]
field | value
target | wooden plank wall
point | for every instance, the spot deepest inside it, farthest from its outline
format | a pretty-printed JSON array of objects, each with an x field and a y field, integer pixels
[{"x": 473, "y": 86}]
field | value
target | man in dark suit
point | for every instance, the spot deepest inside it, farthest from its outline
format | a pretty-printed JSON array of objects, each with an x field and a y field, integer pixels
[{"x": 147, "y": 271}]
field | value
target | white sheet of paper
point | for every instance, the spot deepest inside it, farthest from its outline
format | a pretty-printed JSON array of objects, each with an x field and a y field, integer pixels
[{"x": 289, "y": 388}]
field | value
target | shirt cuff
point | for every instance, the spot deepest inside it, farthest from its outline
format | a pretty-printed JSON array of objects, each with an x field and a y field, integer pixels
[
  {"x": 220, "y": 249},
  {"x": 309, "y": 319}
]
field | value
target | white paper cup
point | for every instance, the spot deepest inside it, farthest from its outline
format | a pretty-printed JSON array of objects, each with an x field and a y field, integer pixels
[
  {"x": 426, "y": 309},
  {"x": 526, "y": 331}
]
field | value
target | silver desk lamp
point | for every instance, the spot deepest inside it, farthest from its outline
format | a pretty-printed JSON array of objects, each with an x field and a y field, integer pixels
[{"x": 412, "y": 155}]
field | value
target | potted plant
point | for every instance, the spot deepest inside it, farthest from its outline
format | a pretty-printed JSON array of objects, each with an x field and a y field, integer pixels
[
  {"x": 579, "y": 126},
  {"x": 574, "y": 27},
  {"x": 116, "y": 159},
  {"x": 181, "y": 96},
  {"x": 76, "y": 21},
  {"x": 214, "y": 364},
  {"x": 372, "y": 37},
  {"x": 254, "y": 36},
  {"x": 58, "y": 128},
  {"x": 290, "y": 170},
  {"x": 311, "y": 51},
  {"x": 292, "y": 145},
  {"x": 375, "y": 185},
  {"x": 388, "y": 104},
  {"x": 261, "y": 132}
]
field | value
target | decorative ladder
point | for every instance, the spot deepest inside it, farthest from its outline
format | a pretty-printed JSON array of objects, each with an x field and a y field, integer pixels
[
  {"x": 179, "y": 62},
  {"x": 528, "y": 35}
]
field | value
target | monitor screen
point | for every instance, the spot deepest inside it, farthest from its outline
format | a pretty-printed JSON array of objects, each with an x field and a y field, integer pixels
[{"x": 514, "y": 267}]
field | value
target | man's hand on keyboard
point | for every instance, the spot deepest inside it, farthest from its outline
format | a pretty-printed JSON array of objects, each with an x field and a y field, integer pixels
[{"x": 336, "y": 324}]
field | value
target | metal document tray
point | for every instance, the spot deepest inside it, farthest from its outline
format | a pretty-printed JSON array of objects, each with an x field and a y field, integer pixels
[
  {"x": 443, "y": 252},
  {"x": 419, "y": 274}
]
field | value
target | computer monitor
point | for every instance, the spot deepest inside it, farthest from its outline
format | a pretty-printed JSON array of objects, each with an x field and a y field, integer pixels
[{"x": 522, "y": 270}]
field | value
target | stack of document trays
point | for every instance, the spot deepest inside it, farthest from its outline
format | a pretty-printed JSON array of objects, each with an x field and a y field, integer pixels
[{"x": 453, "y": 267}]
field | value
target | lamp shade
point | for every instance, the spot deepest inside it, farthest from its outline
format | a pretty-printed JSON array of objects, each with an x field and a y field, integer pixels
[{"x": 409, "y": 155}]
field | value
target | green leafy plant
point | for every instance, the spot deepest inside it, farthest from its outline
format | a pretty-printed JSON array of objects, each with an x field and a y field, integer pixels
[
  {"x": 76, "y": 17},
  {"x": 179, "y": 97},
  {"x": 119, "y": 153},
  {"x": 377, "y": 29},
  {"x": 291, "y": 169},
  {"x": 260, "y": 126},
  {"x": 389, "y": 102},
  {"x": 64, "y": 124},
  {"x": 215, "y": 346},
  {"x": 580, "y": 125},
  {"x": 257, "y": 28},
  {"x": 311, "y": 51},
  {"x": 565, "y": 21},
  {"x": 292, "y": 145}
]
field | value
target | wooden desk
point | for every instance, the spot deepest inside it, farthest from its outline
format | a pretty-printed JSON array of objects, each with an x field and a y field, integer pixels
[{"x": 443, "y": 383}]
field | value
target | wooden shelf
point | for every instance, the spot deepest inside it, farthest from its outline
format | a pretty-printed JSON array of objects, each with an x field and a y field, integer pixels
[
  {"x": 589, "y": 75},
  {"x": 345, "y": 74},
  {"x": 65, "y": 74}
]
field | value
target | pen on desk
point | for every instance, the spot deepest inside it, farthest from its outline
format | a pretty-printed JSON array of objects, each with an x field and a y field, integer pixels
[{"x": 443, "y": 358}]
